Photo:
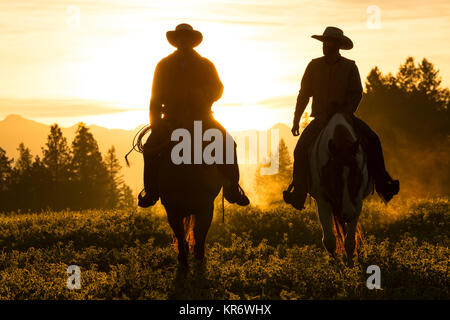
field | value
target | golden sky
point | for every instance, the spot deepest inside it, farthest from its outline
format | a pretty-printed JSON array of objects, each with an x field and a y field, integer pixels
[{"x": 93, "y": 60}]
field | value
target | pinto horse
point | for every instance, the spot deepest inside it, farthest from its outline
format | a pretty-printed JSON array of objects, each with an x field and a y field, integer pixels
[{"x": 339, "y": 182}]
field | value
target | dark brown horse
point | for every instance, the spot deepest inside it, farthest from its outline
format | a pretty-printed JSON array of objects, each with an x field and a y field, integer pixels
[{"x": 187, "y": 192}]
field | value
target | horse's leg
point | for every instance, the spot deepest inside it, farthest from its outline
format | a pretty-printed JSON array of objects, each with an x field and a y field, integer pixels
[
  {"x": 350, "y": 240},
  {"x": 326, "y": 220},
  {"x": 202, "y": 224},
  {"x": 177, "y": 225}
]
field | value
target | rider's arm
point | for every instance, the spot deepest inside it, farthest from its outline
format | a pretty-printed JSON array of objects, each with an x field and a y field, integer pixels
[
  {"x": 155, "y": 100},
  {"x": 214, "y": 87},
  {"x": 354, "y": 91},
  {"x": 304, "y": 93}
]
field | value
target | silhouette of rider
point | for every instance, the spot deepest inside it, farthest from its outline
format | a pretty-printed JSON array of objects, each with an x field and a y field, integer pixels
[
  {"x": 335, "y": 85},
  {"x": 185, "y": 85}
]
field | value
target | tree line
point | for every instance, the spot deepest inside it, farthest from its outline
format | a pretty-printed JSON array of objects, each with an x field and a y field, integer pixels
[
  {"x": 76, "y": 177},
  {"x": 409, "y": 112}
]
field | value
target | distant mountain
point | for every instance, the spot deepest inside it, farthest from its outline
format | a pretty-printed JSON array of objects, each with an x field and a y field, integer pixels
[{"x": 15, "y": 129}]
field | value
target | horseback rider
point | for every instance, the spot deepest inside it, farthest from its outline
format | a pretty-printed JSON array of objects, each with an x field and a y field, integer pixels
[
  {"x": 185, "y": 85},
  {"x": 335, "y": 85}
]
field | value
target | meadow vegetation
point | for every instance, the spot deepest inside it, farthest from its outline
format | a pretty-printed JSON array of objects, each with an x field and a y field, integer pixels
[{"x": 258, "y": 253}]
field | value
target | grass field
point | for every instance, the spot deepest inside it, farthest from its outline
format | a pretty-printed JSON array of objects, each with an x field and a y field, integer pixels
[{"x": 272, "y": 253}]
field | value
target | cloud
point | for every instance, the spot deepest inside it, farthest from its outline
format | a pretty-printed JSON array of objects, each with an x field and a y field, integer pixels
[
  {"x": 280, "y": 102},
  {"x": 61, "y": 108}
]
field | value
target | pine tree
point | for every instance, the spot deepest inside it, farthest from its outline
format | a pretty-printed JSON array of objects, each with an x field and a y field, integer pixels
[
  {"x": 408, "y": 76},
  {"x": 284, "y": 163},
  {"x": 21, "y": 188},
  {"x": 6, "y": 172},
  {"x": 127, "y": 199},
  {"x": 374, "y": 81},
  {"x": 270, "y": 187},
  {"x": 115, "y": 179},
  {"x": 90, "y": 176},
  {"x": 57, "y": 161},
  {"x": 38, "y": 185},
  {"x": 24, "y": 162}
]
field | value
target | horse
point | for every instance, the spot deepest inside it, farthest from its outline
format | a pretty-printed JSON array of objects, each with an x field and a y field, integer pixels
[
  {"x": 187, "y": 192},
  {"x": 339, "y": 181}
]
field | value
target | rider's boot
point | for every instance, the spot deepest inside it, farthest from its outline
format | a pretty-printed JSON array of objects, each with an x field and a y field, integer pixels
[
  {"x": 148, "y": 199},
  {"x": 386, "y": 187},
  {"x": 235, "y": 194},
  {"x": 150, "y": 195},
  {"x": 296, "y": 197}
]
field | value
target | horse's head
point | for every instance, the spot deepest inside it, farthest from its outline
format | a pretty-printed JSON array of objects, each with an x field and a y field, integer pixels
[
  {"x": 343, "y": 171},
  {"x": 344, "y": 153}
]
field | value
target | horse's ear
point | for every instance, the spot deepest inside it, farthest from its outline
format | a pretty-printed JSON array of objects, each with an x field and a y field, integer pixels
[
  {"x": 331, "y": 147},
  {"x": 355, "y": 146}
]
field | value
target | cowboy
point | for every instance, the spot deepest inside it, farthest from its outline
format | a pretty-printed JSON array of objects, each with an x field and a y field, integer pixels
[
  {"x": 185, "y": 85},
  {"x": 335, "y": 85}
]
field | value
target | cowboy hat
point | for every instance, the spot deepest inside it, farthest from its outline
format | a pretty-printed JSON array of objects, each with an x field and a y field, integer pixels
[
  {"x": 335, "y": 33},
  {"x": 185, "y": 31}
]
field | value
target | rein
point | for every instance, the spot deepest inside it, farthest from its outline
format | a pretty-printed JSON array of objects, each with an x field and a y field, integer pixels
[{"x": 137, "y": 144}]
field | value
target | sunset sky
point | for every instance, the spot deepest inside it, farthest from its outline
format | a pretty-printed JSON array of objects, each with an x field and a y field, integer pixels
[{"x": 67, "y": 61}]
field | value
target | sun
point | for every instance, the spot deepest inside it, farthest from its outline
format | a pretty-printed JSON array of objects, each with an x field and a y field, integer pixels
[{"x": 122, "y": 73}]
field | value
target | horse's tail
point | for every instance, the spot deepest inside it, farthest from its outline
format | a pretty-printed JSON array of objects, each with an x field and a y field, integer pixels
[
  {"x": 189, "y": 222},
  {"x": 339, "y": 231},
  {"x": 359, "y": 240},
  {"x": 188, "y": 225}
]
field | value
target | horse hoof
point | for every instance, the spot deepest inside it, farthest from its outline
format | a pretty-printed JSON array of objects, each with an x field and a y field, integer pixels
[
  {"x": 199, "y": 253},
  {"x": 200, "y": 259},
  {"x": 200, "y": 263},
  {"x": 182, "y": 272},
  {"x": 349, "y": 262},
  {"x": 183, "y": 262}
]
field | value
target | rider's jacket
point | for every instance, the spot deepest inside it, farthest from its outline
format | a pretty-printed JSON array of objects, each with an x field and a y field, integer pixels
[
  {"x": 185, "y": 85},
  {"x": 334, "y": 88}
]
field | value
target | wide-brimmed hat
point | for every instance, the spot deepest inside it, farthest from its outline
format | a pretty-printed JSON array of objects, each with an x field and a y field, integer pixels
[
  {"x": 184, "y": 31},
  {"x": 338, "y": 34}
]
